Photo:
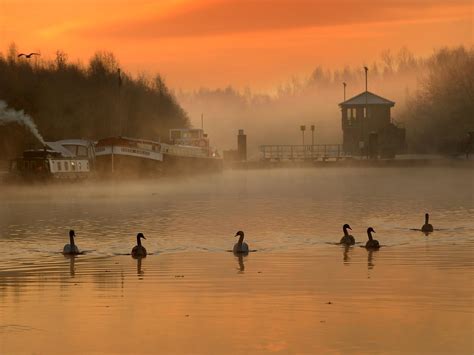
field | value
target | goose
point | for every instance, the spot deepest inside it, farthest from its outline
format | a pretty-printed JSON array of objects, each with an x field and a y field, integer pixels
[
  {"x": 347, "y": 239},
  {"x": 138, "y": 250},
  {"x": 371, "y": 243},
  {"x": 240, "y": 246},
  {"x": 71, "y": 248},
  {"x": 427, "y": 228}
]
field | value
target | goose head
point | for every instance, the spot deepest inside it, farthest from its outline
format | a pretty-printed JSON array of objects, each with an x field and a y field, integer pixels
[
  {"x": 370, "y": 230},
  {"x": 240, "y": 234},
  {"x": 139, "y": 237},
  {"x": 345, "y": 227}
]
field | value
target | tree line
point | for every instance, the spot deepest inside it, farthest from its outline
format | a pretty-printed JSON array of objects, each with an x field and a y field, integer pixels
[
  {"x": 433, "y": 95},
  {"x": 72, "y": 100}
]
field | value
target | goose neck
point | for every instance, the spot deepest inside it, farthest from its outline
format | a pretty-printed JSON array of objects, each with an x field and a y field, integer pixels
[{"x": 369, "y": 233}]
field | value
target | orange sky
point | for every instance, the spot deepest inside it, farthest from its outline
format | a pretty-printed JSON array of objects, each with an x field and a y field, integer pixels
[{"x": 240, "y": 42}]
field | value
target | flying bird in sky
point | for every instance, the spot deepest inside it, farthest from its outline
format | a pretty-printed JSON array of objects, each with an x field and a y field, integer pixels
[{"x": 27, "y": 55}]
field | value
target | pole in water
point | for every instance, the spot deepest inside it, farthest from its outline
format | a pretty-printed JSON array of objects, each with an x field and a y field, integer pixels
[{"x": 202, "y": 121}]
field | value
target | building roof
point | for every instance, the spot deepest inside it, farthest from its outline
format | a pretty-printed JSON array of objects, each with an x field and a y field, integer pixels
[{"x": 368, "y": 98}]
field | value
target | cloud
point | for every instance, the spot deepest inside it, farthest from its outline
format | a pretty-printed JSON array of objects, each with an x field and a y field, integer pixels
[{"x": 221, "y": 17}]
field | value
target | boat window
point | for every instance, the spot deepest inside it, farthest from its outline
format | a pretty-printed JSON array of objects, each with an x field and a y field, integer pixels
[
  {"x": 79, "y": 167},
  {"x": 59, "y": 165},
  {"x": 73, "y": 166},
  {"x": 81, "y": 151},
  {"x": 71, "y": 148},
  {"x": 87, "y": 165},
  {"x": 175, "y": 134},
  {"x": 66, "y": 165}
]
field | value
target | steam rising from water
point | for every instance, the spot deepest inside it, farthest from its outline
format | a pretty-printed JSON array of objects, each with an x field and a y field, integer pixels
[{"x": 8, "y": 115}]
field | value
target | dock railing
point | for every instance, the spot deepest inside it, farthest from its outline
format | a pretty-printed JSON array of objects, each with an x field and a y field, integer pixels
[{"x": 302, "y": 152}]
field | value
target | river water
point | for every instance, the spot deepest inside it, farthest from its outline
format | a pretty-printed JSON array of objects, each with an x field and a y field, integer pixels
[{"x": 296, "y": 293}]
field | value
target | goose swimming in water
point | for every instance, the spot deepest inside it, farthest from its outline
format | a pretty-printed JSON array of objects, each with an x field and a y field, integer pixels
[
  {"x": 371, "y": 243},
  {"x": 138, "y": 250},
  {"x": 427, "y": 228},
  {"x": 347, "y": 239},
  {"x": 71, "y": 248},
  {"x": 240, "y": 246}
]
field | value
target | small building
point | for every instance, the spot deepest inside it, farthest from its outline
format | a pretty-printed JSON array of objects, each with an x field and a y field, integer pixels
[{"x": 368, "y": 127}]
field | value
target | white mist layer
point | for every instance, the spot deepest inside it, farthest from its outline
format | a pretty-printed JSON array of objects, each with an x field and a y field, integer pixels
[{"x": 8, "y": 115}]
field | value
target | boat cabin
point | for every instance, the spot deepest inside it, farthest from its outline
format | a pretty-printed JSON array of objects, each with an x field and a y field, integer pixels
[
  {"x": 189, "y": 136},
  {"x": 68, "y": 159}
]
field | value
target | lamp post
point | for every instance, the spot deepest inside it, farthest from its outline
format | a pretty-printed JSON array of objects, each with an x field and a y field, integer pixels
[
  {"x": 344, "y": 83},
  {"x": 303, "y": 128},
  {"x": 312, "y": 139}
]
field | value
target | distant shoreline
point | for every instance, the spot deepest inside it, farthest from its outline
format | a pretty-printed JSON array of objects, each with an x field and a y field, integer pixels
[
  {"x": 356, "y": 163},
  {"x": 418, "y": 162}
]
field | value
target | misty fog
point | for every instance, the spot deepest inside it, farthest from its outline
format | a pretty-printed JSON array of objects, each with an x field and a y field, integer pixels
[{"x": 275, "y": 118}]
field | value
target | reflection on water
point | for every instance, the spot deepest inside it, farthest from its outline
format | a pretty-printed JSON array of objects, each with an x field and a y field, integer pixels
[
  {"x": 72, "y": 264},
  {"x": 206, "y": 300},
  {"x": 140, "y": 272},
  {"x": 240, "y": 258},
  {"x": 370, "y": 258},
  {"x": 346, "y": 254}
]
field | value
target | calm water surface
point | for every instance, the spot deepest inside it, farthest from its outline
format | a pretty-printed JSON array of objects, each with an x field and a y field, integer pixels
[{"x": 296, "y": 294}]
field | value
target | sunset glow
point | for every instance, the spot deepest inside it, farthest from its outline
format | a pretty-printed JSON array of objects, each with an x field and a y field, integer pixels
[{"x": 238, "y": 42}]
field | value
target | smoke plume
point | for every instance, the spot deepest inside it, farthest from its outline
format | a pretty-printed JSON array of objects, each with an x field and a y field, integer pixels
[{"x": 8, "y": 115}]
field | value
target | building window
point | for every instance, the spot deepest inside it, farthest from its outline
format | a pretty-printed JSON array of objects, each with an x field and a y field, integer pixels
[
  {"x": 59, "y": 165},
  {"x": 66, "y": 165},
  {"x": 366, "y": 112},
  {"x": 352, "y": 113}
]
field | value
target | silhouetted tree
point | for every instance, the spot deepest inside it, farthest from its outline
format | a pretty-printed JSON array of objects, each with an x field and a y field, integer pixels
[
  {"x": 68, "y": 100},
  {"x": 440, "y": 114}
]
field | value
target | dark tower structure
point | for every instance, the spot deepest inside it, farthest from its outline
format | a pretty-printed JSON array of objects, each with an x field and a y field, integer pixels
[
  {"x": 368, "y": 115},
  {"x": 242, "y": 145}
]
